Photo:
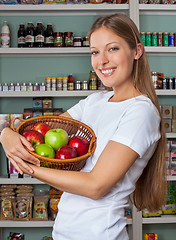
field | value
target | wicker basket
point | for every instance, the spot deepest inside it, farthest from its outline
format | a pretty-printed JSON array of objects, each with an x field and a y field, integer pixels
[{"x": 73, "y": 128}]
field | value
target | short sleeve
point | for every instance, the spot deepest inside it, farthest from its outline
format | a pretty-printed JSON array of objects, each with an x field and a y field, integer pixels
[
  {"x": 139, "y": 127},
  {"x": 78, "y": 109}
]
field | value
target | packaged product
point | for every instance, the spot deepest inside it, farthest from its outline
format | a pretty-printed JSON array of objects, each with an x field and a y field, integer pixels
[
  {"x": 7, "y": 207},
  {"x": 146, "y": 213},
  {"x": 53, "y": 203},
  {"x": 40, "y": 211},
  {"x": 21, "y": 210},
  {"x": 16, "y": 236},
  {"x": 27, "y": 197},
  {"x": 30, "y": 1},
  {"x": 8, "y": 1}
]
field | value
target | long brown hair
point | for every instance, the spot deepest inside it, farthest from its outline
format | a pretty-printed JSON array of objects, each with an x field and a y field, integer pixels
[{"x": 150, "y": 189}]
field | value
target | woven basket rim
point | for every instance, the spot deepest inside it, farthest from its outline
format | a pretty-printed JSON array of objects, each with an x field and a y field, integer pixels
[{"x": 54, "y": 160}]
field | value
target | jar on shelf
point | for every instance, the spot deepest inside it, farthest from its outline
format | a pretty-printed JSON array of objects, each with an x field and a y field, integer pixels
[
  {"x": 58, "y": 39},
  {"x": 148, "y": 39},
  {"x": 53, "y": 84},
  {"x": 84, "y": 85},
  {"x": 78, "y": 85},
  {"x": 5, "y": 87},
  {"x": 160, "y": 39},
  {"x": 64, "y": 83},
  {"x": 11, "y": 87},
  {"x": 0, "y": 87},
  {"x": 59, "y": 83},
  {"x": 77, "y": 42},
  {"x": 165, "y": 39},
  {"x": 42, "y": 87},
  {"x": 30, "y": 87},
  {"x": 85, "y": 42},
  {"x": 23, "y": 87},
  {"x": 36, "y": 87},
  {"x": 68, "y": 39},
  {"x": 17, "y": 87},
  {"x": 48, "y": 83}
]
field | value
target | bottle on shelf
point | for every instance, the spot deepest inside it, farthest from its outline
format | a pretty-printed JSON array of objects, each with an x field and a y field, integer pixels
[
  {"x": 5, "y": 35},
  {"x": 70, "y": 83},
  {"x": 49, "y": 36},
  {"x": 21, "y": 36},
  {"x": 29, "y": 39},
  {"x": 92, "y": 81},
  {"x": 39, "y": 35}
]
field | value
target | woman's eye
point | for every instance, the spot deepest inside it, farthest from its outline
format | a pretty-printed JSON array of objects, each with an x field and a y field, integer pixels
[
  {"x": 94, "y": 52},
  {"x": 114, "y": 49}
]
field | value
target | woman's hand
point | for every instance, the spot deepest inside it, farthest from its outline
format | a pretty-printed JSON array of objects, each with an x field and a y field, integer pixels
[{"x": 13, "y": 144}]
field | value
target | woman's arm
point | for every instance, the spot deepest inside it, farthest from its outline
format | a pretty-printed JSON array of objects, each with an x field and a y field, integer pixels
[
  {"x": 111, "y": 166},
  {"x": 13, "y": 144}
]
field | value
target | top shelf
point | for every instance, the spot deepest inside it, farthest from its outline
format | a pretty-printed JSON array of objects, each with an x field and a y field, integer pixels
[
  {"x": 157, "y": 9},
  {"x": 61, "y": 9}
]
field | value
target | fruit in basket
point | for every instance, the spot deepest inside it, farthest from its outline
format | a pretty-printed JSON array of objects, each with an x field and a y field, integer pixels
[
  {"x": 66, "y": 152},
  {"x": 80, "y": 144},
  {"x": 41, "y": 127},
  {"x": 34, "y": 137},
  {"x": 45, "y": 150},
  {"x": 56, "y": 138}
]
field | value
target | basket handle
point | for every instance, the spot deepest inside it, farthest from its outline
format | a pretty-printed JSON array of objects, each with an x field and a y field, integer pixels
[
  {"x": 92, "y": 149},
  {"x": 13, "y": 122}
]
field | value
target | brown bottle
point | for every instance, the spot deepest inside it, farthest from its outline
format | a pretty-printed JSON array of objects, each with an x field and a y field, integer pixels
[
  {"x": 49, "y": 36},
  {"x": 39, "y": 35},
  {"x": 29, "y": 39},
  {"x": 21, "y": 36}
]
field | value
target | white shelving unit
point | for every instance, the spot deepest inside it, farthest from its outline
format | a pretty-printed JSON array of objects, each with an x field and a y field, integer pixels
[{"x": 134, "y": 9}]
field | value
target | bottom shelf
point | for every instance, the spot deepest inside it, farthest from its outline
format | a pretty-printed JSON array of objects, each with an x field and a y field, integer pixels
[
  {"x": 36, "y": 224},
  {"x": 26, "y": 224}
]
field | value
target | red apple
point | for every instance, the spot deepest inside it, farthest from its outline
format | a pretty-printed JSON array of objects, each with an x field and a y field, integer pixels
[
  {"x": 42, "y": 128},
  {"x": 66, "y": 152},
  {"x": 34, "y": 137},
  {"x": 80, "y": 144}
]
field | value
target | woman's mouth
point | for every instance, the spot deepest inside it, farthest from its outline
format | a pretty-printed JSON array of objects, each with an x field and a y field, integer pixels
[{"x": 107, "y": 72}]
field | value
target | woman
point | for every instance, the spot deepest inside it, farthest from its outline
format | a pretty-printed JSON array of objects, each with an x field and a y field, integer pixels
[{"x": 130, "y": 141}]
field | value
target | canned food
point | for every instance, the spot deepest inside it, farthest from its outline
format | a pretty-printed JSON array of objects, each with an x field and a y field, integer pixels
[
  {"x": 150, "y": 236},
  {"x": 59, "y": 83},
  {"x": 154, "y": 39},
  {"x": 160, "y": 39},
  {"x": 165, "y": 39},
  {"x": 148, "y": 39},
  {"x": 171, "y": 39},
  {"x": 64, "y": 86},
  {"x": 142, "y": 35}
]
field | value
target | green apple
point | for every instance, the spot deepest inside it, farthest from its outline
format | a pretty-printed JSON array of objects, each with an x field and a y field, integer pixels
[
  {"x": 56, "y": 138},
  {"x": 45, "y": 150}
]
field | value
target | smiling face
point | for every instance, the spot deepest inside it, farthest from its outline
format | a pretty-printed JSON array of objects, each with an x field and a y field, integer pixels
[{"x": 112, "y": 59}]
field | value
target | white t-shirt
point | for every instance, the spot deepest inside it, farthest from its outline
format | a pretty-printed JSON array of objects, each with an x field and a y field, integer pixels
[{"x": 134, "y": 123}]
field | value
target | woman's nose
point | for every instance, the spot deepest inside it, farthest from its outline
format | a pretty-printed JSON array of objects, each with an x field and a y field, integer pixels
[{"x": 103, "y": 59}]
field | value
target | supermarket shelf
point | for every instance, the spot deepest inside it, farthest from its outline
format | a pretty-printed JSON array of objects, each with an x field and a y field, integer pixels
[
  {"x": 5, "y": 180},
  {"x": 73, "y": 51},
  {"x": 158, "y": 220},
  {"x": 74, "y": 93},
  {"x": 59, "y": 51},
  {"x": 34, "y": 223},
  {"x": 171, "y": 135},
  {"x": 160, "y": 51},
  {"x": 157, "y": 9},
  {"x": 171, "y": 178},
  {"x": 61, "y": 9},
  {"x": 26, "y": 223},
  {"x": 166, "y": 92}
]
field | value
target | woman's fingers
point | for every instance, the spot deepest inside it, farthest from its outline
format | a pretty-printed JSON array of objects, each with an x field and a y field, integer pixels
[{"x": 20, "y": 164}]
